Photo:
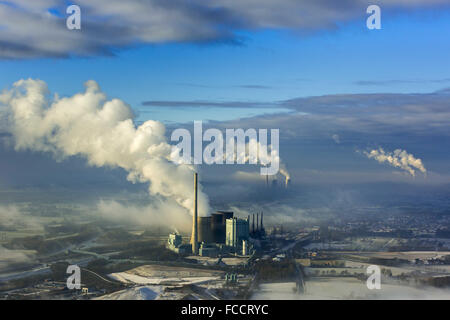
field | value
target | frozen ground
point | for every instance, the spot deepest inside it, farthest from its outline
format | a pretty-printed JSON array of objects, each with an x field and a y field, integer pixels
[
  {"x": 352, "y": 288},
  {"x": 345, "y": 288},
  {"x": 136, "y": 293},
  {"x": 156, "y": 274},
  {"x": 276, "y": 291},
  {"x": 152, "y": 282},
  {"x": 126, "y": 277}
]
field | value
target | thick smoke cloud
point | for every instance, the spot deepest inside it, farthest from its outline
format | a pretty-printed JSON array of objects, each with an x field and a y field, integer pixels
[
  {"x": 100, "y": 130},
  {"x": 399, "y": 159}
]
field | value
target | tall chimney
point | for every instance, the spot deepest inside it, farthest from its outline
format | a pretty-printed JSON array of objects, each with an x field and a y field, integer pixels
[
  {"x": 194, "y": 238},
  {"x": 262, "y": 226},
  {"x": 253, "y": 226},
  {"x": 257, "y": 221}
]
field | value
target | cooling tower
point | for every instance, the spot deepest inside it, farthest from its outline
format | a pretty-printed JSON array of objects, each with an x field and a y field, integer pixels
[{"x": 205, "y": 233}]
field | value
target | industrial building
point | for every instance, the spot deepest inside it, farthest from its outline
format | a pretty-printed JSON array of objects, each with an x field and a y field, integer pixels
[
  {"x": 208, "y": 250},
  {"x": 212, "y": 229},
  {"x": 237, "y": 230},
  {"x": 218, "y": 233},
  {"x": 175, "y": 243},
  {"x": 218, "y": 224},
  {"x": 205, "y": 230}
]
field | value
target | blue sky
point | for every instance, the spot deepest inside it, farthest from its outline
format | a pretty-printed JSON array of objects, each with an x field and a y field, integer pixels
[
  {"x": 310, "y": 68},
  {"x": 409, "y": 54}
]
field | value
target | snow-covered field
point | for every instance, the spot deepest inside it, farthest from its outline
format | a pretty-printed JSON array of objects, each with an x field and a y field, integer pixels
[
  {"x": 150, "y": 282},
  {"x": 126, "y": 277},
  {"x": 136, "y": 293},
  {"x": 345, "y": 288},
  {"x": 276, "y": 291},
  {"x": 352, "y": 288}
]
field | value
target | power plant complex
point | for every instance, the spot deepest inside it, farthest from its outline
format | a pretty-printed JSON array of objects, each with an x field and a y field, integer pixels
[{"x": 218, "y": 233}]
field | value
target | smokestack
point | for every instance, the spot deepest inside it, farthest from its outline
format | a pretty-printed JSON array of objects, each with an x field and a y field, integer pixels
[
  {"x": 262, "y": 226},
  {"x": 257, "y": 221},
  {"x": 267, "y": 180},
  {"x": 194, "y": 238},
  {"x": 253, "y": 225}
]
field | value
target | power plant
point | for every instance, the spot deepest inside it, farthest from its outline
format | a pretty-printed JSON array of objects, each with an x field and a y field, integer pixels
[{"x": 220, "y": 232}]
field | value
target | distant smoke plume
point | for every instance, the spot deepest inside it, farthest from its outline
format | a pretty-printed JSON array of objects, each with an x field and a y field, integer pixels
[
  {"x": 336, "y": 138},
  {"x": 102, "y": 131},
  {"x": 284, "y": 172},
  {"x": 399, "y": 159}
]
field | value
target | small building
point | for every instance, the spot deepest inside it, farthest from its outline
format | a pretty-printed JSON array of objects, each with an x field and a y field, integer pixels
[
  {"x": 175, "y": 244},
  {"x": 174, "y": 240},
  {"x": 206, "y": 250}
]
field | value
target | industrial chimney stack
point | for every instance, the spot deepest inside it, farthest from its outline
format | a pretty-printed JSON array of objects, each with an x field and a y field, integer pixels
[
  {"x": 194, "y": 238},
  {"x": 262, "y": 226}
]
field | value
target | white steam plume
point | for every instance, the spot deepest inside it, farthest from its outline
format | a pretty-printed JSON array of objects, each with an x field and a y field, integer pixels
[
  {"x": 252, "y": 154},
  {"x": 336, "y": 138},
  {"x": 284, "y": 172},
  {"x": 399, "y": 159},
  {"x": 102, "y": 131}
]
